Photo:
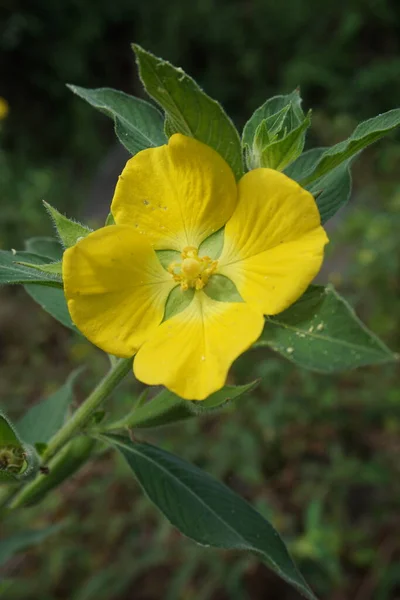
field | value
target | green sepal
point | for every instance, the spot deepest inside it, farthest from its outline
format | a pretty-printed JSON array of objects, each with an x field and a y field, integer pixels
[
  {"x": 166, "y": 257},
  {"x": 18, "y": 460},
  {"x": 177, "y": 301},
  {"x": 271, "y": 111},
  {"x": 276, "y": 123},
  {"x": 277, "y": 149},
  {"x": 212, "y": 246},
  {"x": 222, "y": 289},
  {"x": 167, "y": 407},
  {"x": 68, "y": 231},
  {"x": 274, "y": 127},
  {"x": 110, "y": 220}
]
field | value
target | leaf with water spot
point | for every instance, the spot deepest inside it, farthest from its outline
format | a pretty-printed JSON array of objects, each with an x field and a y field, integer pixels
[{"x": 321, "y": 332}]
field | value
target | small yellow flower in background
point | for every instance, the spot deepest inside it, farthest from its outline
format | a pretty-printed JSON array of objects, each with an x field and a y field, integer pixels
[
  {"x": 4, "y": 108},
  {"x": 173, "y": 198}
]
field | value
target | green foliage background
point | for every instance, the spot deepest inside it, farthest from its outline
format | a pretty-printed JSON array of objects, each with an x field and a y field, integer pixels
[{"x": 318, "y": 455}]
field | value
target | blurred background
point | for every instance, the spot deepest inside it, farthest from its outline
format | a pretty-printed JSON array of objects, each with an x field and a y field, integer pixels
[{"x": 318, "y": 455}]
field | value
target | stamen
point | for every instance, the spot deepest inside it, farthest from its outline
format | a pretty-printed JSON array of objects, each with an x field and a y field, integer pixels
[{"x": 193, "y": 271}]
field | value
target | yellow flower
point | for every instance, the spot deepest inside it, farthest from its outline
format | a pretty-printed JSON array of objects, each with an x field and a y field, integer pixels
[
  {"x": 172, "y": 198},
  {"x": 4, "y": 108}
]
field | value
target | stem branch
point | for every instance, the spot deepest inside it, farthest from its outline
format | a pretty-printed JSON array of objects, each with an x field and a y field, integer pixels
[
  {"x": 79, "y": 419},
  {"x": 82, "y": 415}
]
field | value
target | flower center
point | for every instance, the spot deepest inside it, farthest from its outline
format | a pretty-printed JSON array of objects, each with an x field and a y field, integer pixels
[{"x": 193, "y": 271}]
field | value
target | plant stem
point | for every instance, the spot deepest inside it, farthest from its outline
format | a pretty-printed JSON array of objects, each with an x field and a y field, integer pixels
[
  {"x": 82, "y": 415},
  {"x": 77, "y": 422}
]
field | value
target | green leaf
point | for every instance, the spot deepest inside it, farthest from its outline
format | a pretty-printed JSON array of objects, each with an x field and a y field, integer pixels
[
  {"x": 304, "y": 163},
  {"x": 52, "y": 300},
  {"x": 274, "y": 124},
  {"x": 167, "y": 408},
  {"x": 364, "y": 134},
  {"x": 222, "y": 397},
  {"x": 44, "y": 419},
  {"x": 8, "y": 436},
  {"x": 68, "y": 231},
  {"x": 138, "y": 124},
  {"x": 206, "y": 510},
  {"x": 321, "y": 332},
  {"x": 11, "y": 272},
  {"x": 280, "y": 153},
  {"x": 188, "y": 109},
  {"x": 52, "y": 268},
  {"x": 332, "y": 191},
  {"x": 45, "y": 246},
  {"x": 21, "y": 541},
  {"x": 273, "y": 108}
]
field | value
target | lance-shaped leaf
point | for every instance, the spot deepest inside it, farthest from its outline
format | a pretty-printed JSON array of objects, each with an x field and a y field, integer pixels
[
  {"x": 54, "y": 268},
  {"x": 321, "y": 332},
  {"x": 12, "y": 272},
  {"x": 138, "y": 124},
  {"x": 45, "y": 246},
  {"x": 206, "y": 510},
  {"x": 364, "y": 134},
  {"x": 271, "y": 111},
  {"x": 44, "y": 419},
  {"x": 332, "y": 191},
  {"x": 188, "y": 109},
  {"x": 69, "y": 231},
  {"x": 52, "y": 300},
  {"x": 167, "y": 407}
]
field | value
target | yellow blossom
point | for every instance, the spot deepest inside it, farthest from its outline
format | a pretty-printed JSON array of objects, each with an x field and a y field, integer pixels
[
  {"x": 167, "y": 202},
  {"x": 4, "y": 108}
]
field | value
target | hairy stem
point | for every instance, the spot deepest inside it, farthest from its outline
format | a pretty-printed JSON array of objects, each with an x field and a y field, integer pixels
[
  {"x": 76, "y": 423},
  {"x": 82, "y": 415}
]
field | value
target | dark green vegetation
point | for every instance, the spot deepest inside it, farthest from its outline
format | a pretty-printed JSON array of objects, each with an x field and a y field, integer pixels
[{"x": 318, "y": 455}]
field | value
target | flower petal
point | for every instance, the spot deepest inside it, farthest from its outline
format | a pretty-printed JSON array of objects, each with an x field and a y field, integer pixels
[
  {"x": 191, "y": 353},
  {"x": 274, "y": 241},
  {"x": 116, "y": 288},
  {"x": 176, "y": 195}
]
